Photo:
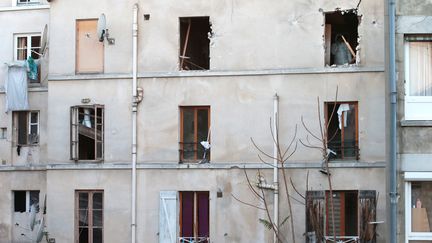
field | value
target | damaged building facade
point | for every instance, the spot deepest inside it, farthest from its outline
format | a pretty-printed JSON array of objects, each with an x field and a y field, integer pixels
[
  {"x": 180, "y": 91},
  {"x": 414, "y": 114}
]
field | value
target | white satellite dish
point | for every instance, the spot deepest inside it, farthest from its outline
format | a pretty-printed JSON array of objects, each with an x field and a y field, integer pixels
[
  {"x": 40, "y": 231},
  {"x": 32, "y": 216},
  {"x": 44, "y": 40},
  {"x": 102, "y": 31}
]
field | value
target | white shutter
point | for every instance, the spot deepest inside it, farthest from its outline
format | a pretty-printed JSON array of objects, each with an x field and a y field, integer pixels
[
  {"x": 168, "y": 217},
  {"x": 74, "y": 133}
]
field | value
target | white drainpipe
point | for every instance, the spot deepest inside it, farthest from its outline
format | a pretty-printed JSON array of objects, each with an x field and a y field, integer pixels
[
  {"x": 134, "y": 119},
  {"x": 275, "y": 165}
]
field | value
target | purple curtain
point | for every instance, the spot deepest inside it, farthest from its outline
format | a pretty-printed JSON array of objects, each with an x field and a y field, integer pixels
[
  {"x": 203, "y": 214},
  {"x": 187, "y": 214}
]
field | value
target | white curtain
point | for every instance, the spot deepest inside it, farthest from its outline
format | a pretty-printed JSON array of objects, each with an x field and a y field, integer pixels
[{"x": 420, "y": 68}]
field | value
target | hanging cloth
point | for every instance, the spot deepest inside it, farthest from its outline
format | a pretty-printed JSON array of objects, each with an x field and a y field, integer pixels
[
  {"x": 32, "y": 68},
  {"x": 343, "y": 108},
  {"x": 16, "y": 87}
]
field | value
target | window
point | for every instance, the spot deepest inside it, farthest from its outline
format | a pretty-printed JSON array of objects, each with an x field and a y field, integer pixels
[
  {"x": 418, "y": 207},
  {"x": 29, "y": 47},
  {"x": 3, "y": 133},
  {"x": 23, "y": 200},
  {"x": 89, "y": 50},
  {"x": 26, "y": 127},
  {"x": 194, "y": 129},
  {"x": 342, "y": 133},
  {"x": 192, "y": 219},
  {"x": 89, "y": 216},
  {"x": 87, "y": 132},
  {"x": 25, "y": 2},
  {"x": 341, "y": 37},
  {"x": 354, "y": 215},
  {"x": 194, "y": 43},
  {"x": 418, "y": 77}
]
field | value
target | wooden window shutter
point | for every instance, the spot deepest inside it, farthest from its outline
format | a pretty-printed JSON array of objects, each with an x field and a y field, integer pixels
[
  {"x": 99, "y": 132},
  {"x": 367, "y": 211},
  {"x": 315, "y": 212},
  {"x": 74, "y": 141},
  {"x": 168, "y": 217}
]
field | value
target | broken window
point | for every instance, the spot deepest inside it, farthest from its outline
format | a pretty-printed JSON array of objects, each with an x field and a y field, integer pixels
[
  {"x": 23, "y": 200},
  {"x": 194, "y": 217},
  {"x": 341, "y": 37},
  {"x": 26, "y": 124},
  {"x": 89, "y": 216},
  {"x": 194, "y": 133},
  {"x": 342, "y": 132},
  {"x": 28, "y": 48},
  {"x": 89, "y": 50},
  {"x": 354, "y": 216},
  {"x": 195, "y": 43},
  {"x": 87, "y": 132}
]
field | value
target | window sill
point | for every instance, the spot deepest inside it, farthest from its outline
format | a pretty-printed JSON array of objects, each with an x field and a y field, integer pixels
[
  {"x": 25, "y": 7},
  {"x": 416, "y": 123}
]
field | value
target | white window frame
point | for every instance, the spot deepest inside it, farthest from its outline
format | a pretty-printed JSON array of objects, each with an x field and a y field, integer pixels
[
  {"x": 29, "y": 124},
  {"x": 27, "y": 199},
  {"x": 27, "y": 2},
  {"x": 416, "y": 107},
  {"x": 29, "y": 46},
  {"x": 35, "y": 123},
  {"x": 409, "y": 235}
]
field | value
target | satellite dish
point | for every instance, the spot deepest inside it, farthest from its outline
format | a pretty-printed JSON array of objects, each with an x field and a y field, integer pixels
[
  {"x": 102, "y": 31},
  {"x": 44, "y": 39},
  {"x": 40, "y": 231},
  {"x": 32, "y": 216},
  {"x": 101, "y": 27}
]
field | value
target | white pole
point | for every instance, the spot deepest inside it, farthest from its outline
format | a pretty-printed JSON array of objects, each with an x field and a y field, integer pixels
[
  {"x": 134, "y": 119},
  {"x": 275, "y": 164}
]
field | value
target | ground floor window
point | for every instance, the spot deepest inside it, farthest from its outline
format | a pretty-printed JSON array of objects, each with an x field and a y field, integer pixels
[
  {"x": 418, "y": 207},
  {"x": 89, "y": 216}
]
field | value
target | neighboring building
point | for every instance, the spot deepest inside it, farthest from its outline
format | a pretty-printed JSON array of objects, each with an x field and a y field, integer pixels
[
  {"x": 414, "y": 86},
  {"x": 208, "y": 71}
]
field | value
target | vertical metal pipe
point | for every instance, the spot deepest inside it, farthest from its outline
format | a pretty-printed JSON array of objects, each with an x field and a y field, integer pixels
[
  {"x": 134, "y": 119},
  {"x": 275, "y": 164},
  {"x": 392, "y": 166}
]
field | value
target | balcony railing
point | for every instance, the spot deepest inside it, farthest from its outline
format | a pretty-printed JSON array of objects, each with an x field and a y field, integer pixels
[
  {"x": 193, "y": 240},
  {"x": 342, "y": 239},
  {"x": 345, "y": 150}
]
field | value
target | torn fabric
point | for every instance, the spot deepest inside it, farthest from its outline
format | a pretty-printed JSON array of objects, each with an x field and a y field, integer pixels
[
  {"x": 16, "y": 87},
  {"x": 343, "y": 108}
]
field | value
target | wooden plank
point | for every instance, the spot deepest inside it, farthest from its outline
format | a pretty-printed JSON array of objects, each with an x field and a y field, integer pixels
[{"x": 327, "y": 43}]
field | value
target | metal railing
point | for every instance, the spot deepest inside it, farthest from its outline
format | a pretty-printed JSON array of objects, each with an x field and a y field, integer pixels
[
  {"x": 348, "y": 149},
  {"x": 193, "y": 240},
  {"x": 342, "y": 239}
]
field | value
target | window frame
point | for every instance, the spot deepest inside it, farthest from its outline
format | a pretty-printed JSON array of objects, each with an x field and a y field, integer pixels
[
  {"x": 412, "y": 101},
  {"x": 25, "y": 3},
  {"x": 326, "y": 117},
  {"x": 27, "y": 127},
  {"x": 90, "y": 210},
  {"x": 195, "y": 214},
  {"x": 196, "y": 142},
  {"x": 409, "y": 178},
  {"x": 29, "y": 45},
  {"x": 27, "y": 199},
  {"x": 74, "y": 132}
]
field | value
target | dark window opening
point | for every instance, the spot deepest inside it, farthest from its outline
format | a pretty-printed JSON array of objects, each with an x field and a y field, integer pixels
[
  {"x": 89, "y": 216},
  {"x": 194, "y": 217},
  {"x": 87, "y": 133},
  {"x": 194, "y": 133},
  {"x": 23, "y": 200},
  {"x": 345, "y": 213},
  {"x": 27, "y": 127},
  {"x": 342, "y": 133},
  {"x": 341, "y": 37},
  {"x": 195, "y": 43}
]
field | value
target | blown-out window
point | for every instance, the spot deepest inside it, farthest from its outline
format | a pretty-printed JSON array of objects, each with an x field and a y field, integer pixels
[
  {"x": 87, "y": 132},
  {"x": 195, "y": 43},
  {"x": 26, "y": 125},
  {"x": 89, "y": 216}
]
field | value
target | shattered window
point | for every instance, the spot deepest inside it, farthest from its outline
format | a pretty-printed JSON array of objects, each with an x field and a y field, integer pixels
[
  {"x": 23, "y": 200},
  {"x": 194, "y": 43},
  {"x": 89, "y": 215},
  {"x": 342, "y": 132},
  {"x": 27, "y": 127},
  {"x": 341, "y": 37},
  {"x": 27, "y": 46}
]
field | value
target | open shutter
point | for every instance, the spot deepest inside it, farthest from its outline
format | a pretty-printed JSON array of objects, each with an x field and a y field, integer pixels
[
  {"x": 367, "y": 207},
  {"x": 315, "y": 206},
  {"x": 99, "y": 132},
  {"x": 74, "y": 133},
  {"x": 168, "y": 217}
]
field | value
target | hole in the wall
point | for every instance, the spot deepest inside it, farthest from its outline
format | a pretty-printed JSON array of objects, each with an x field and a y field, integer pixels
[
  {"x": 341, "y": 37},
  {"x": 195, "y": 43}
]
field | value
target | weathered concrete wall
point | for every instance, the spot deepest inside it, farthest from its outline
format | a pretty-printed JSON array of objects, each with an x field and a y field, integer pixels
[
  {"x": 240, "y": 108},
  {"x": 246, "y": 34},
  {"x": 230, "y": 221}
]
